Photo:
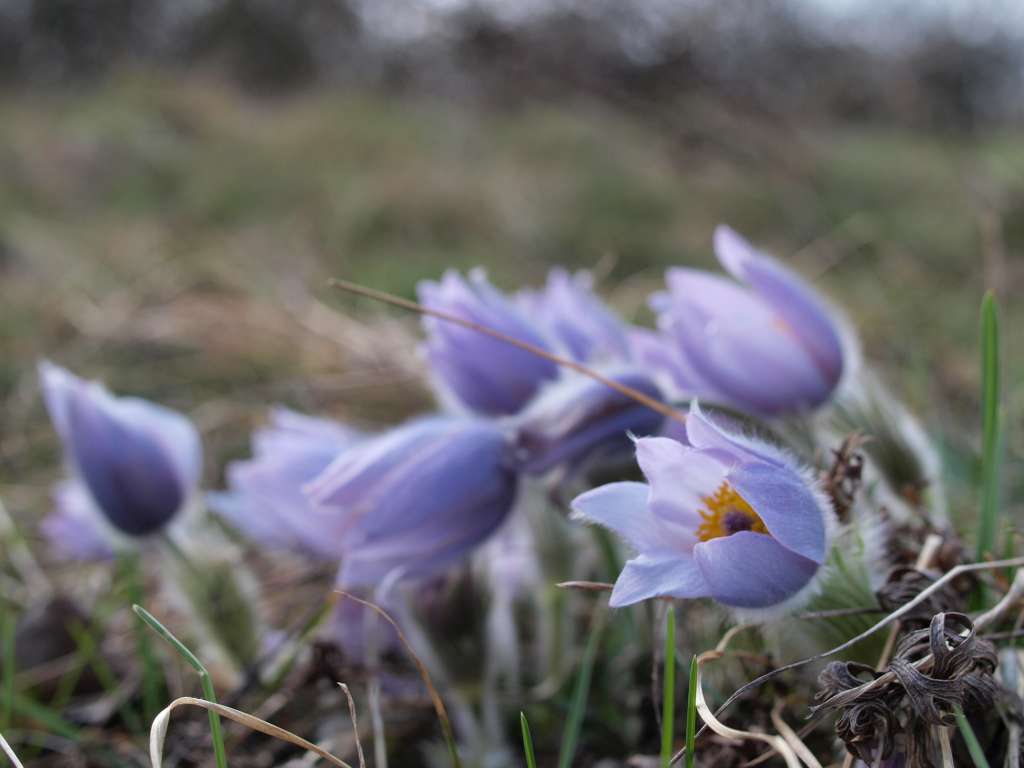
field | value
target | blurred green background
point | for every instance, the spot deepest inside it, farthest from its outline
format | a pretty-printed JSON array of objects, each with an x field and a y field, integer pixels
[{"x": 170, "y": 224}]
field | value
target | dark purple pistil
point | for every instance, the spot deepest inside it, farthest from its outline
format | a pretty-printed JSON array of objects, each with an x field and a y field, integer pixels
[{"x": 736, "y": 520}]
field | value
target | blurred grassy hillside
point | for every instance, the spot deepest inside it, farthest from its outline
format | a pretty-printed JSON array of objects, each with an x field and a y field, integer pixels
[{"x": 175, "y": 239}]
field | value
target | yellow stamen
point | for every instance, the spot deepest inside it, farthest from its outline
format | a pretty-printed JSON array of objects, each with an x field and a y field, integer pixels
[{"x": 727, "y": 513}]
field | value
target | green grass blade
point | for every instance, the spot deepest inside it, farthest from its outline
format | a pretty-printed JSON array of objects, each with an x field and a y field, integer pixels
[
  {"x": 990, "y": 422},
  {"x": 574, "y": 721},
  {"x": 691, "y": 714},
  {"x": 302, "y": 638},
  {"x": 973, "y": 747},
  {"x": 52, "y": 721},
  {"x": 531, "y": 760},
  {"x": 88, "y": 649},
  {"x": 668, "y": 704},
  {"x": 216, "y": 734}
]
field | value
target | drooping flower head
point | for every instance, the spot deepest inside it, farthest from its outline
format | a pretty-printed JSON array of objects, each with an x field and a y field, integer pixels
[
  {"x": 722, "y": 517},
  {"x": 768, "y": 346},
  {"x": 137, "y": 464},
  {"x": 578, "y": 420},
  {"x": 265, "y": 496},
  {"x": 416, "y": 499},
  {"x": 484, "y": 374}
]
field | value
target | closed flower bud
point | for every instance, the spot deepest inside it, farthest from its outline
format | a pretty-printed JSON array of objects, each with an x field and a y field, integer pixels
[
  {"x": 134, "y": 463},
  {"x": 483, "y": 374},
  {"x": 769, "y": 346},
  {"x": 416, "y": 499}
]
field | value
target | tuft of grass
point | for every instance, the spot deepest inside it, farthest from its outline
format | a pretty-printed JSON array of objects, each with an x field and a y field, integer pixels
[
  {"x": 990, "y": 420},
  {"x": 668, "y": 705},
  {"x": 574, "y": 721},
  {"x": 87, "y": 647},
  {"x": 52, "y": 721},
  {"x": 691, "y": 714},
  {"x": 216, "y": 734},
  {"x": 531, "y": 759},
  {"x": 973, "y": 747},
  {"x": 442, "y": 713}
]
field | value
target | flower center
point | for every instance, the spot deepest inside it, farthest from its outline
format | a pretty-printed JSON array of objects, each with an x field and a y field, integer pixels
[{"x": 727, "y": 513}]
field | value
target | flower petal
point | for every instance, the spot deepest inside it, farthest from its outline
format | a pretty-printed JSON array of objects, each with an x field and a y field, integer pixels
[
  {"x": 791, "y": 297},
  {"x": 76, "y": 529},
  {"x": 704, "y": 433},
  {"x": 140, "y": 461},
  {"x": 266, "y": 499},
  {"x": 576, "y": 420},
  {"x": 576, "y": 318},
  {"x": 623, "y": 508},
  {"x": 786, "y": 505},
  {"x": 748, "y": 357},
  {"x": 429, "y": 547},
  {"x": 172, "y": 430},
  {"x": 483, "y": 373},
  {"x": 418, "y": 498},
  {"x": 647, "y": 576},
  {"x": 129, "y": 473},
  {"x": 752, "y": 570},
  {"x": 680, "y": 478}
]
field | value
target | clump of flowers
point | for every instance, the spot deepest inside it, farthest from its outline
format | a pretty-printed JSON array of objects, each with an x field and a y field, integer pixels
[{"x": 740, "y": 452}]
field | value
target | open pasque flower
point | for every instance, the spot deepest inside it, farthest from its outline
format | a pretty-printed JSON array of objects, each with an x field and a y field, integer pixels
[
  {"x": 134, "y": 464},
  {"x": 416, "y": 499},
  {"x": 768, "y": 346},
  {"x": 722, "y": 517},
  {"x": 265, "y": 497}
]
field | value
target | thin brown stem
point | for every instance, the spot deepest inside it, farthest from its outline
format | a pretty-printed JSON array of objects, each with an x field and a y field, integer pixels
[{"x": 623, "y": 389}]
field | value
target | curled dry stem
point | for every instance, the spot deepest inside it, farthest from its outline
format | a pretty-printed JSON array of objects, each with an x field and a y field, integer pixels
[
  {"x": 9, "y": 751},
  {"x": 792, "y": 738},
  {"x": 1009, "y": 600},
  {"x": 355, "y": 723},
  {"x": 435, "y": 697},
  {"x": 777, "y": 743},
  {"x": 158, "y": 731}
]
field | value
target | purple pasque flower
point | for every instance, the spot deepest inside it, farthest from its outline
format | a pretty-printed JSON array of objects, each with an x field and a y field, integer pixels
[
  {"x": 724, "y": 517},
  {"x": 138, "y": 463},
  {"x": 416, "y": 499},
  {"x": 484, "y": 374},
  {"x": 768, "y": 346},
  {"x": 572, "y": 315},
  {"x": 578, "y": 421},
  {"x": 265, "y": 497}
]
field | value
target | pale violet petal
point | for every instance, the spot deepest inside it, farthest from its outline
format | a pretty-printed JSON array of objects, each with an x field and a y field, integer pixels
[
  {"x": 649, "y": 576},
  {"x": 752, "y": 570}
]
